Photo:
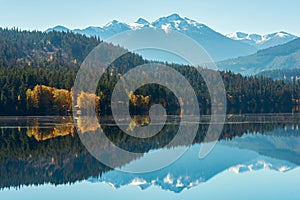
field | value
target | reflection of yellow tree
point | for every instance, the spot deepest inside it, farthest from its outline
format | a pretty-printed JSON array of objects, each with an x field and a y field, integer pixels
[
  {"x": 87, "y": 124},
  {"x": 45, "y": 134},
  {"x": 138, "y": 121}
]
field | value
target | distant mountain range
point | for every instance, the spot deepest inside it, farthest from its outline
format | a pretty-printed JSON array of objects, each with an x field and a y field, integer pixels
[
  {"x": 263, "y": 41},
  {"x": 217, "y": 45},
  {"x": 243, "y": 53},
  {"x": 244, "y": 154},
  {"x": 286, "y": 56}
]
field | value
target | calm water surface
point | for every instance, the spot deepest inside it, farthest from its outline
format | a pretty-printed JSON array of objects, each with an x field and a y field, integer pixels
[{"x": 257, "y": 157}]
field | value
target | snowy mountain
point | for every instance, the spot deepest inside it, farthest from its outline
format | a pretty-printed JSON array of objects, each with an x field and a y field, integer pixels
[
  {"x": 217, "y": 45},
  {"x": 140, "y": 23},
  {"x": 263, "y": 41}
]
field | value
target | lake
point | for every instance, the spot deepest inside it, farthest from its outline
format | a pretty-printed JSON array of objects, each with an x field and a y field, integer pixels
[{"x": 256, "y": 157}]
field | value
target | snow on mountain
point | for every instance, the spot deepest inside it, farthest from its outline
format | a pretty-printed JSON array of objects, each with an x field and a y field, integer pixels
[
  {"x": 244, "y": 36},
  {"x": 140, "y": 23},
  {"x": 175, "y": 22},
  {"x": 218, "y": 46},
  {"x": 112, "y": 28},
  {"x": 263, "y": 41},
  {"x": 116, "y": 26},
  {"x": 260, "y": 165}
]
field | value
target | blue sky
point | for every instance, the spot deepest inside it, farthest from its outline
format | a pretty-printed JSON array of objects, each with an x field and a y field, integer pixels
[{"x": 225, "y": 16}]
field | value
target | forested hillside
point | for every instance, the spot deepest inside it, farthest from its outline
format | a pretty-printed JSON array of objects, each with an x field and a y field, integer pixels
[
  {"x": 36, "y": 66},
  {"x": 286, "y": 56},
  {"x": 34, "y": 48},
  {"x": 289, "y": 75}
]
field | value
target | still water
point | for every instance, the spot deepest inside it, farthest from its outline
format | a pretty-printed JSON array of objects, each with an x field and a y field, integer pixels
[{"x": 256, "y": 157}]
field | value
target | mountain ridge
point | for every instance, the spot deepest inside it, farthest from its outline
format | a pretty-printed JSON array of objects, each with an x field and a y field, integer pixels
[
  {"x": 263, "y": 41},
  {"x": 218, "y": 46},
  {"x": 285, "y": 56}
]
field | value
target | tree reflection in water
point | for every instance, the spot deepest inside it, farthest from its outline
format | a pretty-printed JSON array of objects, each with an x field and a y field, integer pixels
[{"x": 37, "y": 151}]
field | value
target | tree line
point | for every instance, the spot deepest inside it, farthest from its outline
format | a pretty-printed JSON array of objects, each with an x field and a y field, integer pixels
[{"x": 37, "y": 73}]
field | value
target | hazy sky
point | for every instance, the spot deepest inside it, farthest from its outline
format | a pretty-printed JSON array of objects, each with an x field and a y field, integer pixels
[{"x": 225, "y": 16}]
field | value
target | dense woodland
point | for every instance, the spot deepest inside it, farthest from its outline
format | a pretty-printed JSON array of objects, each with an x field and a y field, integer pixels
[
  {"x": 288, "y": 75},
  {"x": 37, "y": 73}
]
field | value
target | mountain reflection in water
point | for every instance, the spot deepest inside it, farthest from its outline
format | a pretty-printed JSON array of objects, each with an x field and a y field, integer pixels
[{"x": 39, "y": 150}]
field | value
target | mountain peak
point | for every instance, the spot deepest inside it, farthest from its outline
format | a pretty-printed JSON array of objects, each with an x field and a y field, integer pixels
[
  {"x": 283, "y": 34},
  {"x": 58, "y": 28},
  {"x": 205, "y": 36},
  {"x": 142, "y": 21},
  {"x": 112, "y": 23},
  {"x": 241, "y": 34},
  {"x": 263, "y": 41},
  {"x": 174, "y": 16},
  {"x": 168, "y": 19}
]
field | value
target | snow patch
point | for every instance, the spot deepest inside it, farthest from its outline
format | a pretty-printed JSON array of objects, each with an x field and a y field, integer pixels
[
  {"x": 284, "y": 168},
  {"x": 138, "y": 182},
  {"x": 259, "y": 39},
  {"x": 166, "y": 28},
  {"x": 281, "y": 35},
  {"x": 176, "y": 24},
  {"x": 179, "y": 183},
  {"x": 135, "y": 26},
  {"x": 168, "y": 179}
]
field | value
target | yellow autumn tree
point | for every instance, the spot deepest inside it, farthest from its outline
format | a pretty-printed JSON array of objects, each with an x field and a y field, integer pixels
[
  {"x": 52, "y": 100},
  {"x": 62, "y": 99},
  {"x": 45, "y": 96},
  {"x": 139, "y": 100},
  {"x": 87, "y": 101},
  {"x": 45, "y": 99},
  {"x": 30, "y": 99}
]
